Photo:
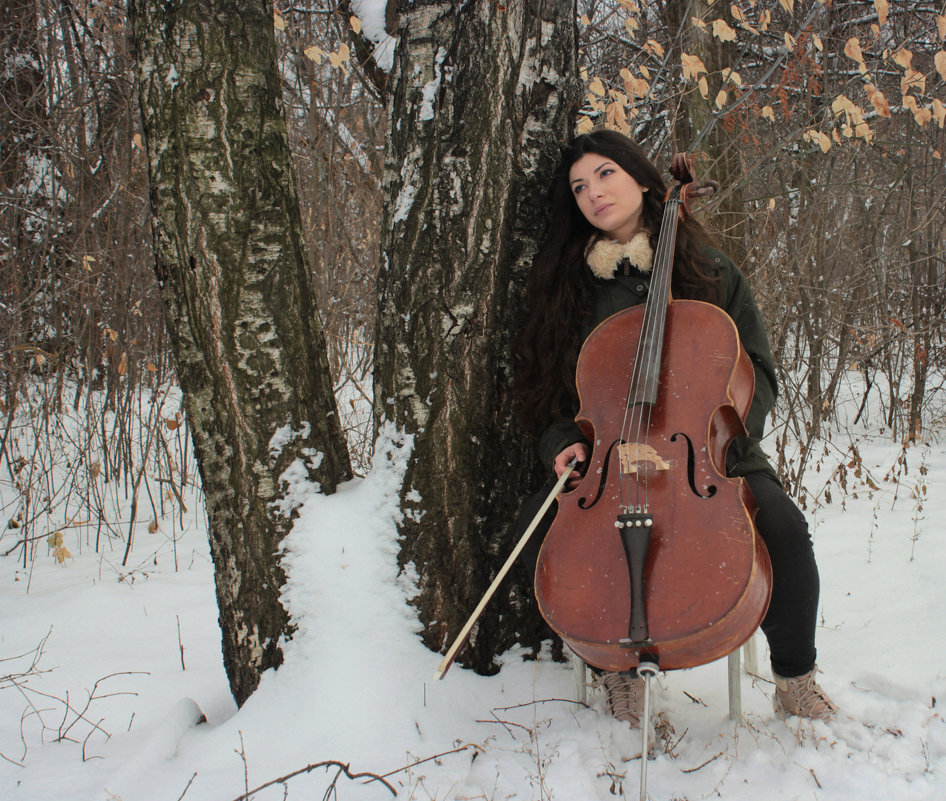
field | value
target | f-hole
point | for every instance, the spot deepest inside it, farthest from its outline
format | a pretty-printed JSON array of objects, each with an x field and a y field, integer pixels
[
  {"x": 583, "y": 502},
  {"x": 691, "y": 469}
]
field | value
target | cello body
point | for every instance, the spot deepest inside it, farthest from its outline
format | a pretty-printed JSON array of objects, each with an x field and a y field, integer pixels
[{"x": 705, "y": 579}]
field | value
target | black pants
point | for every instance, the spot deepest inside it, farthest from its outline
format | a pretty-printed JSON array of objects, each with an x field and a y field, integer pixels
[{"x": 789, "y": 625}]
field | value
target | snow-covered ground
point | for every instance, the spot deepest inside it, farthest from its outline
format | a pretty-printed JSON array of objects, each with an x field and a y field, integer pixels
[{"x": 102, "y": 666}]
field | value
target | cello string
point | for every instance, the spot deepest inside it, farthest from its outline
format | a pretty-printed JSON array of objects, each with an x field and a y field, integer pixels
[
  {"x": 659, "y": 314},
  {"x": 646, "y": 371}
]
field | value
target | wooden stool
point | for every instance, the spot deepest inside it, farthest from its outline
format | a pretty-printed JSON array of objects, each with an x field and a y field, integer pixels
[{"x": 749, "y": 654}]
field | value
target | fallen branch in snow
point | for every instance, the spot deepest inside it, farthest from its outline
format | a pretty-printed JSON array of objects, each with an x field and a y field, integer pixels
[
  {"x": 345, "y": 769},
  {"x": 329, "y": 763}
]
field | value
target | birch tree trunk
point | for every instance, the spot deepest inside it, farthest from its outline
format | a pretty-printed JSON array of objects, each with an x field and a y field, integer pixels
[
  {"x": 483, "y": 95},
  {"x": 240, "y": 309}
]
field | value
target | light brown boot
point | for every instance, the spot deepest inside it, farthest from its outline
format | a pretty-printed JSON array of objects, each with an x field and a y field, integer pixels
[
  {"x": 625, "y": 696},
  {"x": 803, "y": 696}
]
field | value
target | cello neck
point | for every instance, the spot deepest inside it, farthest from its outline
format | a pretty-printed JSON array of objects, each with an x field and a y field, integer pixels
[{"x": 646, "y": 376}]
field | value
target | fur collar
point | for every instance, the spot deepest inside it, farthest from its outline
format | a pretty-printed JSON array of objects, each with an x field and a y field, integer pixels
[{"x": 604, "y": 255}]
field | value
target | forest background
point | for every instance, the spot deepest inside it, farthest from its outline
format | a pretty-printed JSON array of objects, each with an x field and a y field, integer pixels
[{"x": 823, "y": 122}]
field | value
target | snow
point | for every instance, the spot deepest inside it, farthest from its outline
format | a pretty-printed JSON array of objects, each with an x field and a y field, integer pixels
[
  {"x": 371, "y": 14},
  {"x": 357, "y": 686}
]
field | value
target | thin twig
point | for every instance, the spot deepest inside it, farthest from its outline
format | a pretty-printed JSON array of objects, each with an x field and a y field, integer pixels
[
  {"x": 703, "y": 765},
  {"x": 180, "y": 643},
  {"x": 188, "y": 787},
  {"x": 428, "y": 759}
]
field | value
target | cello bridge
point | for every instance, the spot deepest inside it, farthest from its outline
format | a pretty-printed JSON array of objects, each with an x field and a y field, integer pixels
[{"x": 640, "y": 457}]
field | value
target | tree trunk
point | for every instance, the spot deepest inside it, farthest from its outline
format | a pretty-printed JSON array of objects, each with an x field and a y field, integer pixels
[
  {"x": 241, "y": 314},
  {"x": 483, "y": 97},
  {"x": 721, "y": 136}
]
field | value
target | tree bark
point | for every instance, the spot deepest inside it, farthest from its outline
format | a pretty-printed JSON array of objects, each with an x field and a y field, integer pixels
[
  {"x": 241, "y": 314},
  {"x": 482, "y": 98}
]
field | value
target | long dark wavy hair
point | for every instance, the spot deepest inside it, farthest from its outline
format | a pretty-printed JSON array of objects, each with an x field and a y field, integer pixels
[{"x": 559, "y": 290}]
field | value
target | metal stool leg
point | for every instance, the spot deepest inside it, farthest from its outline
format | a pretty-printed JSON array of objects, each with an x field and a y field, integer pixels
[
  {"x": 580, "y": 671},
  {"x": 735, "y": 687}
]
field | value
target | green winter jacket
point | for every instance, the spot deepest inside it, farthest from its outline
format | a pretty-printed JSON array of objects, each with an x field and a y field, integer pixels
[{"x": 745, "y": 454}]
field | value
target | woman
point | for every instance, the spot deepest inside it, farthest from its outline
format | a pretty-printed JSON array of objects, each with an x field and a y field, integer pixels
[{"x": 606, "y": 208}]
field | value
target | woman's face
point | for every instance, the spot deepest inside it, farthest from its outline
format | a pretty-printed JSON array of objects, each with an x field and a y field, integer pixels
[{"x": 610, "y": 199}]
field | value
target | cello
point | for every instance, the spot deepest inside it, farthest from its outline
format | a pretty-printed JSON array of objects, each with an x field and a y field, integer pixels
[{"x": 653, "y": 558}]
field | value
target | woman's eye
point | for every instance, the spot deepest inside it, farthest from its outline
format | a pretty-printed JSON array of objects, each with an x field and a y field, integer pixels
[
  {"x": 578, "y": 188},
  {"x": 606, "y": 172}
]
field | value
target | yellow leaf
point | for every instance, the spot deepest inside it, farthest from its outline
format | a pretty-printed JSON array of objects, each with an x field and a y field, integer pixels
[
  {"x": 704, "y": 86},
  {"x": 635, "y": 87},
  {"x": 632, "y": 24},
  {"x": 122, "y": 367},
  {"x": 279, "y": 21},
  {"x": 584, "y": 125},
  {"x": 818, "y": 43},
  {"x": 940, "y": 61},
  {"x": 692, "y": 66},
  {"x": 721, "y": 98},
  {"x": 821, "y": 139},
  {"x": 584, "y": 20},
  {"x": 55, "y": 539},
  {"x": 95, "y": 469},
  {"x": 355, "y": 24},
  {"x": 654, "y": 47},
  {"x": 903, "y": 58},
  {"x": 739, "y": 15},
  {"x": 597, "y": 87},
  {"x": 913, "y": 80},
  {"x": 840, "y": 104},
  {"x": 644, "y": 71},
  {"x": 789, "y": 41},
  {"x": 61, "y": 553},
  {"x": 731, "y": 75},
  {"x": 883, "y": 7},
  {"x": 788, "y": 5},
  {"x": 88, "y": 261},
  {"x": 344, "y": 52},
  {"x": 153, "y": 526},
  {"x": 771, "y": 203},
  {"x": 616, "y": 115},
  {"x": 136, "y": 141},
  {"x": 937, "y": 155},
  {"x": 920, "y": 114},
  {"x": 722, "y": 31},
  {"x": 878, "y": 101},
  {"x": 315, "y": 54},
  {"x": 768, "y": 113},
  {"x": 941, "y": 25},
  {"x": 696, "y": 22},
  {"x": 853, "y": 50},
  {"x": 765, "y": 20},
  {"x": 171, "y": 423}
]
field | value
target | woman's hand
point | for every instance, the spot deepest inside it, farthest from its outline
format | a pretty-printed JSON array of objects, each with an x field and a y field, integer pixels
[{"x": 577, "y": 451}]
